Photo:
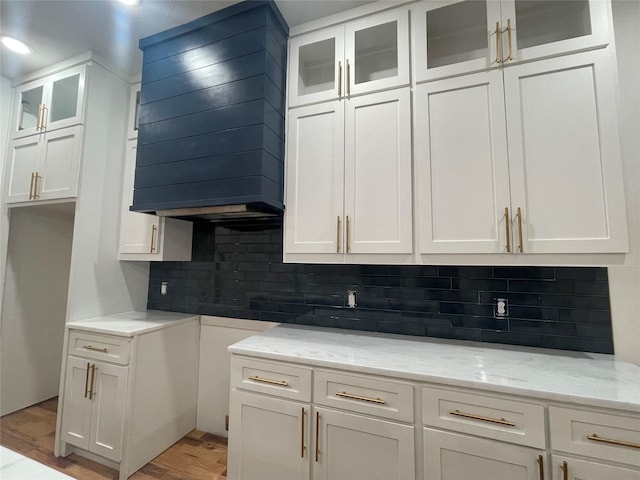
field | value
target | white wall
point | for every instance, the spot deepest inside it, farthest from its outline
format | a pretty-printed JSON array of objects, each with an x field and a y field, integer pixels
[
  {"x": 5, "y": 109},
  {"x": 216, "y": 335},
  {"x": 35, "y": 303},
  {"x": 624, "y": 281}
]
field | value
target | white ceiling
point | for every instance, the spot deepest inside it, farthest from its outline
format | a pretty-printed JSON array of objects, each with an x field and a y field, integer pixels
[{"x": 61, "y": 29}]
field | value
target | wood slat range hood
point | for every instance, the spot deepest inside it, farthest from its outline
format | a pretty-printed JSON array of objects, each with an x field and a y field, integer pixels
[{"x": 211, "y": 121}]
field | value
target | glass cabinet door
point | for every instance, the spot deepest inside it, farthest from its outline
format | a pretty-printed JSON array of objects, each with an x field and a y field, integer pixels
[
  {"x": 535, "y": 28},
  {"x": 455, "y": 37},
  {"x": 49, "y": 103},
  {"x": 317, "y": 65},
  {"x": 377, "y": 52}
]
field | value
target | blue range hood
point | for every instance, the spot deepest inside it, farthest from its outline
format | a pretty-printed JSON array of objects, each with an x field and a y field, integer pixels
[{"x": 211, "y": 124}]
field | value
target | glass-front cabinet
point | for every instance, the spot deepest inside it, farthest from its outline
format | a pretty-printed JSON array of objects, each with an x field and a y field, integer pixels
[
  {"x": 456, "y": 37},
  {"x": 366, "y": 55},
  {"x": 50, "y": 103}
]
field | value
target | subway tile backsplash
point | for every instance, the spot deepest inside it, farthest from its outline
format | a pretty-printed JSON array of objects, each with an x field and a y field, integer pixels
[{"x": 237, "y": 271}]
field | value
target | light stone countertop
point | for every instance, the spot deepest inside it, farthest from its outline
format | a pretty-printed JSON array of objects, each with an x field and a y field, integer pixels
[
  {"x": 129, "y": 324},
  {"x": 588, "y": 379}
]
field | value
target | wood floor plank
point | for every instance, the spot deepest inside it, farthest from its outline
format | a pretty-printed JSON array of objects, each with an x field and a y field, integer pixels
[{"x": 31, "y": 432}]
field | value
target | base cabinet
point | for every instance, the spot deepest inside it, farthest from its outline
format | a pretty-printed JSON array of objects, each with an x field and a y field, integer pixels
[
  {"x": 566, "y": 468},
  {"x": 362, "y": 448},
  {"x": 269, "y": 438},
  {"x": 449, "y": 456},
  {"x": 94, "y": 406},
  {"x": 126, "y": 398}
]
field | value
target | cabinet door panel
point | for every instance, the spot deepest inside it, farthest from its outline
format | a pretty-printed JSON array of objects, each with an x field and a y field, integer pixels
[
  {"x": 22, "y": 161},
  {"x": 377, "y": 52},
  {"x": 461, "y": 164},
  {"x": 268, "y": 438},
  {"x": 315, "y": 178},
  {"x": 541, "y": 29},
  {"x": 107, "y": 419},
  {"x": 363, "y": 448},
  {"x": 76, "y": 412},
  {"x": 316, "y": 67},
  {"x": 451, "y": 37},
  {"x": 448, "y": 456},
  {"x": 61, "y": 164},
  {"x": 378, "y": 198},
  {"x": 586, "y": 470},
  {"x": 30, "y": 98},
  {"x": 564, "y": 154}
]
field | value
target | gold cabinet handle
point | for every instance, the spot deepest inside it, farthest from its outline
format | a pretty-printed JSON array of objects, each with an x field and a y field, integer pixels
[
  {"x": 43, "y": 124},
  {"x": 36, "y": 195},
  {"x": 86, "y": 381},
  {"x": 31, "y": 186},
  {"x": 507, "y": 227},
  {"x": 339, "y": 79},
  {"x": 95, "y": 349},
  {"x": 500, "y": 421},
  {"x": 39, "y": 118},
  {"x": 541, "y": 466},
  {"x": 348, "y": 246},
  {"x": 508, "y": 29},
  {"x": 358, "y": 397},
  {"x": 154, "y": 229},
  {"x": 498, "y": 42},
  {"x": 317, "y": 435},
  {"x": 348, "y": 79},
  {"x": 282, "y": 383},
  {"x": 519, "y": 215},
  {"x": 92, "y": 394},
  {"x": 302, "y": 447},
  {"x": 338, "y": 235},
  {"x": 565, "y": 471},
  {"x": 611, "y": 441}
]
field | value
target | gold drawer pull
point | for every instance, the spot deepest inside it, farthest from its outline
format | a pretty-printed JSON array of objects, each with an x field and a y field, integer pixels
[
  {"x": 500, "y": 421},
  {"x": 95, "y": 349},
  {"x": 358, "y": 397},
  {"x": 282, "y": 383},
  {"x": 622, "y": 443}
]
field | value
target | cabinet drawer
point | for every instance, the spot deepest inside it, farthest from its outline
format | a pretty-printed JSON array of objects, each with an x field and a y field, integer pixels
[
  {"x": 283, "y": 380},
  {"x": 484, "y": 415},
  {"x": 364, "y": 394},
  {"x": 596, "y": 434},
  {"x": 100, "y": 347}
]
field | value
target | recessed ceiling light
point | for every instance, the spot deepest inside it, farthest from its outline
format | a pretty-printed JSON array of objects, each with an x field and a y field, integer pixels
[
  {"x": 129, "y": 2},
  {"x": 16, "y": 45}
]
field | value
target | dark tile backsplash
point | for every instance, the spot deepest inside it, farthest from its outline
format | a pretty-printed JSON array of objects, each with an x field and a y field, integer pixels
[{"x": 237, "y": 271}]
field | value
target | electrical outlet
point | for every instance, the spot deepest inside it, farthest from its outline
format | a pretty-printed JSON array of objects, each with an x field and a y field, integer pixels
[
  {"x": 351, "y": 298},
  {"x": 501, "y": 308}
]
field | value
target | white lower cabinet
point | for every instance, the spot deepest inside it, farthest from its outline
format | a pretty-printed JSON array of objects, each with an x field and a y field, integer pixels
[
  {"x": 94, "y": 405},
  {"x": 356, "y": 447},
  {"x": 126, "y": 398},
  {"x": 451, "y": 456},
  {"x": 294, "y": 421},
  {"x": 273, "y": 438},
  {"x": 270, "y": 440},
  {"x": 567, "y": 468}
]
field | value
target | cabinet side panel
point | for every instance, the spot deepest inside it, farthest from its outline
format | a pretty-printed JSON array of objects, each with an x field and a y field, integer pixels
[{"x": 165, "y": 391}]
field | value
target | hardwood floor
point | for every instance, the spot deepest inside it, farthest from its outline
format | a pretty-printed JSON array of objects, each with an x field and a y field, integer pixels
[{"x": 31, "y": 431}]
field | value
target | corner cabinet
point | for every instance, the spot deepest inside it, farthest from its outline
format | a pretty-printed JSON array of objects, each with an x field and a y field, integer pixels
[
  {"x": 126, "y": 397},
  {"x": 147, "y": 237}
]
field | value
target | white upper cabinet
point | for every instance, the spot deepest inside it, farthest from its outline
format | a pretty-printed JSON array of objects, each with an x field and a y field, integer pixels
[
  {"x": 455, "y": 37},
  {"x": 363, "y": 56},
  {"x": 50, "y": 103}
]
